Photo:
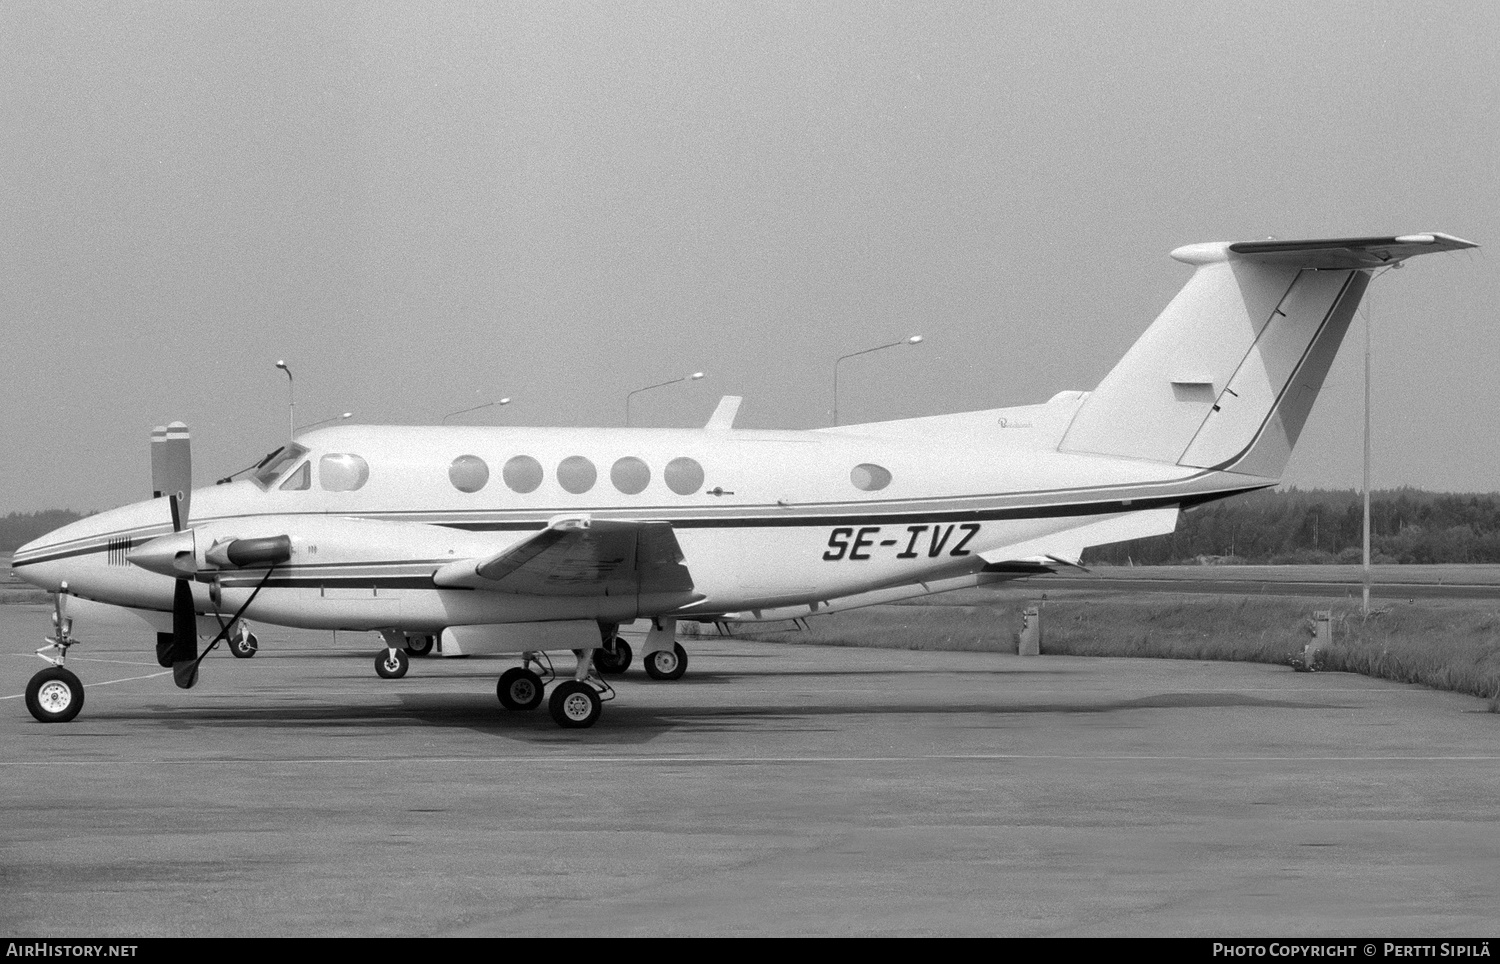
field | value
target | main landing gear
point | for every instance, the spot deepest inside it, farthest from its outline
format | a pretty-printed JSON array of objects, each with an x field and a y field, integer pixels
[
  {"x": 243, "y": 643},
  {"x": 667, "y": 664},
  {"x": 572, "y": 703},
  {"x": 575, "y": 703}
]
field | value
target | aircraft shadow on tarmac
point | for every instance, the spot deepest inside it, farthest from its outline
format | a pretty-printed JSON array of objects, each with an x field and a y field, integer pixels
[{"x": 626, "y": 723}]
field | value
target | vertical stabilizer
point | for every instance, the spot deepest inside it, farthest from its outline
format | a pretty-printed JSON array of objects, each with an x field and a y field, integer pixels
[{"x": 1226, "y": 376}]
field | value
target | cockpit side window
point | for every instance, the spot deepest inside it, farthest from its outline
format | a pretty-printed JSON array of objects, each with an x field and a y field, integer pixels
[
  {"x": 271, "y": 467},
  {"x": 299, "y": 480},
  {"x": 342, "y": 472}
]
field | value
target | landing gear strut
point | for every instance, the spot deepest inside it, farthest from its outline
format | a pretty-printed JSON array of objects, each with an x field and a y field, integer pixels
[{"x": 55, "y": 694}]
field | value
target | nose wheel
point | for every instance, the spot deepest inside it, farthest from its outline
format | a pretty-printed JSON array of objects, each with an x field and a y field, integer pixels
[{"x": 54, "y": 695}]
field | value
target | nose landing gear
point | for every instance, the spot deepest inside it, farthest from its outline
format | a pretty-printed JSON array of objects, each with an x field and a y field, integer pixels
[{"x": 55, "y": 694}]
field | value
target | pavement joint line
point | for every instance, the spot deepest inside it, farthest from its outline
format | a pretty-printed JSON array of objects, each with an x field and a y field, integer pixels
[
  {"x": 106, "y": 682},
  {"x": 627, "y": 759}
]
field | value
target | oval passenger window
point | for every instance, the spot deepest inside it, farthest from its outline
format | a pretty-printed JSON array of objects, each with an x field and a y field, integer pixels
[
  {"x": 468, "y": 473},
  {"x": 630, "y": 475},
  {"x": 683, "y": 476},
  {"x": 522, "y": 474},
  {"x": 577, "y": 474},
  {"x": 869, "y": 477}
]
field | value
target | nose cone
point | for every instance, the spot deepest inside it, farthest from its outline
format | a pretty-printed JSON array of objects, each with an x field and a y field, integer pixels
[
  {"x": 80, "y": 550},
  {"x": 168, "y": 555}
]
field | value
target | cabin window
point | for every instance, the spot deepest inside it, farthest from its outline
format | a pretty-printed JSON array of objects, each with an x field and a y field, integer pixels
[
  {"x": 522, "y": 474},
  {"x": 868, "y": 477},
  {"x": 468, "y": 473},
  {"x": 299, "y": 480},
  {"x": 342, "y": 472},
  {"x": 577, "y": 474},
  {"x": 630, "y": 475},
  {"x": 683, "y": 476}
]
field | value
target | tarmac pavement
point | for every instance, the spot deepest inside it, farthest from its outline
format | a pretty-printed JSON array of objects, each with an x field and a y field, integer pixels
[{"x": 777, "y": 789}]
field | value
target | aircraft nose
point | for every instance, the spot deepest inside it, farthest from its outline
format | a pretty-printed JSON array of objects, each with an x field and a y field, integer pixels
[{"x": 170, "y": 555}]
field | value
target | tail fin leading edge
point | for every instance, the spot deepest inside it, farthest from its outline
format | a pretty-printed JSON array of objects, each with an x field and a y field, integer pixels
[{"x": 1227, "y": 374}]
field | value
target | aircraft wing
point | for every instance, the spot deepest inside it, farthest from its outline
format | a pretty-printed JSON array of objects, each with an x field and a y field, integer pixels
[{"x": 579, "y": 556}]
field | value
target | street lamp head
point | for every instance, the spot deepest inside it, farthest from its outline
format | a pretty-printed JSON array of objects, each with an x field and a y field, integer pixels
[
  {"x": 696, "y": 375},
  {"x": 914, "y": 340},
  {"x": 503, "y": 401}
]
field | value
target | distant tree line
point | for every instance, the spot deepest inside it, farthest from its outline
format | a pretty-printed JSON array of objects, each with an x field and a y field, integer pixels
[
  {"x": 1295, "y": 526},
  {"x": 19, "y": 528}
]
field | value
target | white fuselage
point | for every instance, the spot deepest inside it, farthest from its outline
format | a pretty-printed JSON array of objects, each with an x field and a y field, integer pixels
[{"x": 763, "y": 519}]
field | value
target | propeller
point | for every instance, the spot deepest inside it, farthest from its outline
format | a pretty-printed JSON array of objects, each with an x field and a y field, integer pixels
[{"x": 176, "y": 555}]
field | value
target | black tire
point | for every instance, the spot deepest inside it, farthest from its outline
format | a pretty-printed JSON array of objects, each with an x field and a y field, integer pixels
[
  {"x": 519, "y": 689},
  {"x": 244, "y": 647},
  {"x": 391, "y": 663},
  {"x": 418, "y": 645},
  {"x": 54, "y": 695},
  {"x": 667, "y": 665},
  {"x": 574, "y": 705},
  {"x": 614, "y": 662}
]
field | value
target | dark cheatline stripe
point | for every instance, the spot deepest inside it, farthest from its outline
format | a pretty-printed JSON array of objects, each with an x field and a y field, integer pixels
[{"x": 1075, "y": 510}]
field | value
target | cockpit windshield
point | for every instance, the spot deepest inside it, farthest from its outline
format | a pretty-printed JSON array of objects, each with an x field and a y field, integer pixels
[{"x": 277, "y": 462}]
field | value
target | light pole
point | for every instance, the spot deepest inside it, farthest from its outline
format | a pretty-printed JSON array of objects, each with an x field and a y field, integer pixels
[
  {"x": 291, "y": 394},
  {"x": 335, "y": 418},
  {"x": 913, "y": 340},
  {"x": 502, "y": 401},
  {"x": 686, "y": 378}
]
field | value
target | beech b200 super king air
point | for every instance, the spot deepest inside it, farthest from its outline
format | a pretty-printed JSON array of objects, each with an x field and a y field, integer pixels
[{"x": 524, "y": 541}]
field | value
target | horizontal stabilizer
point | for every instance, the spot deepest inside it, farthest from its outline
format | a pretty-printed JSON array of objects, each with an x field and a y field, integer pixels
[{"x": 1336, "y": 253}]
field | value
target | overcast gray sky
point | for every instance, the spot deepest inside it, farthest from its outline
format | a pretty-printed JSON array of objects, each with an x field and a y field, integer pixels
[{"x": 423, "y": 206}]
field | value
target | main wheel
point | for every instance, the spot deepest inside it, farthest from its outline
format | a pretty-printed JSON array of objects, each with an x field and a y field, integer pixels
[
  {"x": 392, "y": 663},
  {"x": 613, "y": 662},
  {"x": 244, "y": 646},
  {"x": 519, "y": 689},
  {"x": 667, "y": 664},
  {"x": 574, "y": 705},
  {"x": 418, "y": 645},
  {"x": 54, "y": 695}
]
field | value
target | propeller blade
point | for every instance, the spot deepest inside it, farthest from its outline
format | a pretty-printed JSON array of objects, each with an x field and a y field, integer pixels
[
  {"x": 184, "y": 636},
  {"x": 172, "y": 467}
]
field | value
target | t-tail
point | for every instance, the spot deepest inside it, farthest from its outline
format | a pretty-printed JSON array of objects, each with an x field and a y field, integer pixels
[{"x": 1226, "y": 376}]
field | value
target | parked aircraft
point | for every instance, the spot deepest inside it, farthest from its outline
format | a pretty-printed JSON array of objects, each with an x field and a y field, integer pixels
[{"x": 529, "y": 540}]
